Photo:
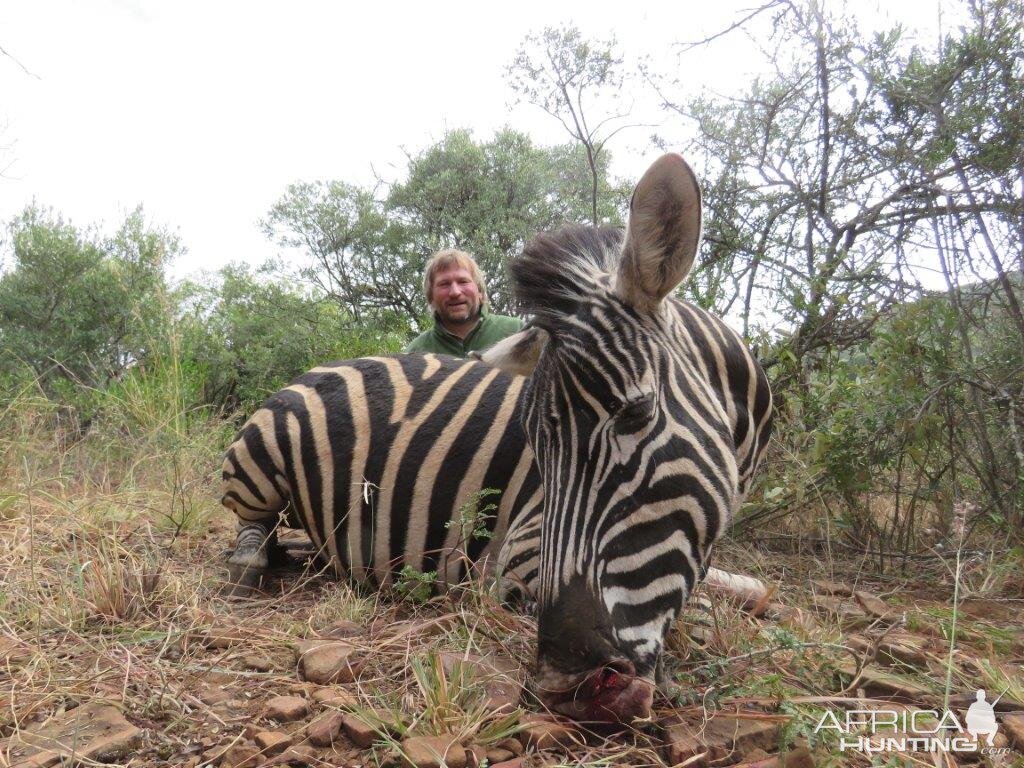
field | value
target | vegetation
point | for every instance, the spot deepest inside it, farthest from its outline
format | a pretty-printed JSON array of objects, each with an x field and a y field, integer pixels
[{"x": 864, "y": 230}]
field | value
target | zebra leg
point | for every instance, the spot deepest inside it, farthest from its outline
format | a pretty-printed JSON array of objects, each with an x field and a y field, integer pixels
[
  {"x": 254, "y": 544},
  {"x": 518, "y": 563}
]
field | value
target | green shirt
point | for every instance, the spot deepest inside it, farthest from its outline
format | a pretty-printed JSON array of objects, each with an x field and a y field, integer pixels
[{"x": 489, "y": 331}]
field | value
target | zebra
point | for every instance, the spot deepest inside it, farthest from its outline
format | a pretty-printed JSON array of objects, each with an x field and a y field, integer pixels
[
  {"x": 623, "y": 424},
  {"x": 375, "y": 458}
]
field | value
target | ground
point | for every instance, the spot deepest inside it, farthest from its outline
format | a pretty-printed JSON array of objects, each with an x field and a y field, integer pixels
[{"x": 118, "y": 645}]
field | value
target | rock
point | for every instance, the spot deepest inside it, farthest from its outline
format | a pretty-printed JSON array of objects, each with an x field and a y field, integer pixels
[
  {"x": 826, "y": 587},
  {"x": 224, "y": 637},
  {"x": 344, "y": 628},
  {"x": 93, "y": 731},
  {"x": 517, "y": 763},
  {"x": 792, "y": 617},
  {"x": 433, "y": 752},
  {"x": 359, "y": 731},
  {"x": 214, "y": 696},
  {"x": 873, "y": 605},
  {"x": 699, "y": 743},
  {"x": 327, "y": 663},
  {"x": 241, "y": 756},
  {"x": 325, "y": 729},
  {"x": 273, "y": 742},
  {"x": 795, "y": 758},
  {"x": 297, "y": 755},
  {"x": 543, "y": 732},
  {"x": 877, "y": 682},
  {"x": 1014, "y": 725},
  {"x": 500, "y": 678},
  {"x": 335, "y": 697},
  {"x": 897, "y": 648},
  {"x": 285, "y": 709},
  {"x": 259, "y": 663},
  {"x": 475, "y": 756},
  {"x": 512, "y": 745},
  {"x": 498, "y": 755}
]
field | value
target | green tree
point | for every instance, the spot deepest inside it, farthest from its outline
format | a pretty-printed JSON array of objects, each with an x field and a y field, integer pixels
[
  {"x": 75, "y": 306},
  {"x": 367, "y": 253},
  {"x": 247, "y": 334}
]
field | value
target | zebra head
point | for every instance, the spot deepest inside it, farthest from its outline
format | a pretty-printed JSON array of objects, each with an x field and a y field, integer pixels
[{"x": 631, "y": 440}]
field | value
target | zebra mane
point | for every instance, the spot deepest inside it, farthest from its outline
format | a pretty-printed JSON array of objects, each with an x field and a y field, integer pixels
[{"x": 558, "y": 271}]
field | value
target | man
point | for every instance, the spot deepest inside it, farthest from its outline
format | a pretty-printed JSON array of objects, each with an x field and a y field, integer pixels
[{"x": 454, "y": 288}]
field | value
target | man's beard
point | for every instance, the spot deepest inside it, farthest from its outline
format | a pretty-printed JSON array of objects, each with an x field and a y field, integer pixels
[{"x": 472, "y": 313}]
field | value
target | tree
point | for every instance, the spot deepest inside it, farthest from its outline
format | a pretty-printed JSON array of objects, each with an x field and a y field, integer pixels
[
  {"x": 569, "y": 78},
  {"x": 248, "y": 335},
  {"x": 79, "y": 307},
  {"x": 367, "y": 251}
]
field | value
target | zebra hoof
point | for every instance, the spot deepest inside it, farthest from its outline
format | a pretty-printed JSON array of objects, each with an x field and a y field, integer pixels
[{"x": 249, "y": 562}]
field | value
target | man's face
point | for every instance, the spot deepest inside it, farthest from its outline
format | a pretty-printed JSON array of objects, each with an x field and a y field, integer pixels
[{"x": 455, "y": 297}]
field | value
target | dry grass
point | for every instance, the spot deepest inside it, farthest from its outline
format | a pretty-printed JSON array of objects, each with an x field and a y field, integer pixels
[{"x": 111, "y": 552}]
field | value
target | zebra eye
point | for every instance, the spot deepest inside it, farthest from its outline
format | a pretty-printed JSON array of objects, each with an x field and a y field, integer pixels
[{"x": 634, "y": 415}]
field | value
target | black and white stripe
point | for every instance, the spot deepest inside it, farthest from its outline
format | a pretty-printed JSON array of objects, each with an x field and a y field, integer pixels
[
  {"x": 374, "y": 457},
  {"x": 648, "y": 418}
]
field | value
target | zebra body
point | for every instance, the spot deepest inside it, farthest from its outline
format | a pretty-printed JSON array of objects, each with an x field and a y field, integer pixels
[{"x": 376, "y": 457}]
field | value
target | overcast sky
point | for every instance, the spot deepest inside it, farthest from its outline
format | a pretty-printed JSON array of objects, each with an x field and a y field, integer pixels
[{"x": 204, "y": 112}]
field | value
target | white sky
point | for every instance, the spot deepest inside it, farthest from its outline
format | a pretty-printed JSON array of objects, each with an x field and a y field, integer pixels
[{"x": 205, "y": 111}]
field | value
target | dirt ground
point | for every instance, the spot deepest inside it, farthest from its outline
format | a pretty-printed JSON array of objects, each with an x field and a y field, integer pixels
[{"x": 117, "y": 646}]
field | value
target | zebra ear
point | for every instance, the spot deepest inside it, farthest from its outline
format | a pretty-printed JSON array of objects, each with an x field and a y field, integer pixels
[
  {"x": 518, "y": 354},
  {"x": 663, "y": 233}
]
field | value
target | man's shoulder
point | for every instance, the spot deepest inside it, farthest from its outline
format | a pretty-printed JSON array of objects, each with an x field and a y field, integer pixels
[
  {"x": 421, "y": 343},
  {"x": 506, "y": 323}
]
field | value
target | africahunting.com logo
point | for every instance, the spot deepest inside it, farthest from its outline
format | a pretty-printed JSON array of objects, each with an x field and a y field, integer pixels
[{"x": 915, "y": 730}]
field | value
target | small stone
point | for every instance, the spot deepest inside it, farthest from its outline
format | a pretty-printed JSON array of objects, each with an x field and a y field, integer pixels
[
  {"x": 701, "y": 743},
  {"x": 360, "y": 732},
  {"x": 325, "y": 729},
  {"x": 512, "y": 745},
  {"x": 241, "y": 756},
  {"x": 220, "y": 638},
  {"x": 433, "y": 752},
  {"x": 541, "y": 732},
  {"x": 498, "y": 755},
  {"x": 826, "y": 587},
  {"x": 344, "y": 628},
  {"x": 273, "y": 742},
  {"x": 213, "y": 696},
  {"x": 258, "y": 663},
  {"x": 101, "y": 734},
  {"x": 285, "y": 709},
  {"x": 516, "y": 763},
  {"x": 873, "y": 605},
  {"x": 335, "y": 697},
  {"x": 1014, "y": 725},
  {"x": 298, "y": 755},
  {"x": 500, "y": 677},
  {"x": 475, "y": 756},
  {"x": 328, "y": 663}
]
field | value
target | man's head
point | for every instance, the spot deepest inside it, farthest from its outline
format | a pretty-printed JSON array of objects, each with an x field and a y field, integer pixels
[{"x": 454, "y": 287}]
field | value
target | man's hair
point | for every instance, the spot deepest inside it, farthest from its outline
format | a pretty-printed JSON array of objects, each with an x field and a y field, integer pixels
[{"x": 446, "y": 259}]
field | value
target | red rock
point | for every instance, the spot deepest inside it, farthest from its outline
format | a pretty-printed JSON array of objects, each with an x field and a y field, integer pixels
[
  {"x": 499, "y": 755},
  {"x": 335, "y": 697},
  {"x": 512, "y": 745},
  {"x": 1014, "y": 725},
  {"x": 873, "y": 605},
  {"x": 699, "y": 743},
  {"x": 541, "y": 732},
  {"x": 285, "y": 709},
  {"x": 433, "y": 752},
  {"x": 516, "y": 763},
  {"x": 93, "y": 731},
  {"x": 360, "y": 732},
  {"x": 826, "y": 587},
  {"x": 327, "y": 663},
  {"x": 258, "y": 663},
  {"x": 325, "y": 729},
  {"x": 273, "y": 742},
  {"x": 500, "y": 677},
  {"x": 241, "y": 756}
]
